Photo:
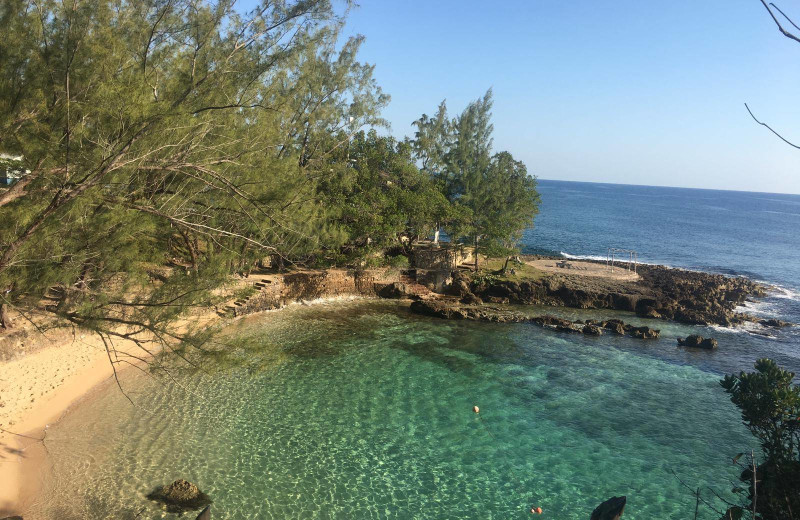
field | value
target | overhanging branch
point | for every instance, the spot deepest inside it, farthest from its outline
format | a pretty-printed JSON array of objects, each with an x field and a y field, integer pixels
[{"x": 770, "y": 128}]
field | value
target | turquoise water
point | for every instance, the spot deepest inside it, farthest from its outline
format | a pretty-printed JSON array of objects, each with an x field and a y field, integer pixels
[{"x": 359, "y": 410}]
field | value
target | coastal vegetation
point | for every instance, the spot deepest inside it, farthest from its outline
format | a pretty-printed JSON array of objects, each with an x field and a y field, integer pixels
[
  {"x": 770, "y": 407},
  {"x": 172, "y": 144}
]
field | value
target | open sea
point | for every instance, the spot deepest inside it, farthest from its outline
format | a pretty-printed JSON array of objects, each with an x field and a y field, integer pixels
[{"x": 359, "y": 410}]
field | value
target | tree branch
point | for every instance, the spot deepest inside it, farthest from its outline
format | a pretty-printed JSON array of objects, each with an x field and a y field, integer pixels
[
  {"x": 770, "y": 128},
  {"x": 780, "y": 27}
]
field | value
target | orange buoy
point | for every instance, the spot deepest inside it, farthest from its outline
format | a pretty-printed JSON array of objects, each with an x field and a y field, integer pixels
[
  {"x": 536, "y": 510},
  {"x": 476, "y": 409}
]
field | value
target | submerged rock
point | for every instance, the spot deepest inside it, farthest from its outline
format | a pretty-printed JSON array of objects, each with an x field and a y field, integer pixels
[
  {"x": 774, "y": 323},
  {"x": 611, "y": 509},
  {"x": 696, "y": 341},
  {"x": 180, "y": 496},
  {"x": 592, "y": 330},
  {"x": 453, "y": 309},
  {"x": 644, "y": 333}
]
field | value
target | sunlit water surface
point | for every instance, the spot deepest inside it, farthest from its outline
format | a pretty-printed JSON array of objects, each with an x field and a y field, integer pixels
[{"x": 359, "y": 410}]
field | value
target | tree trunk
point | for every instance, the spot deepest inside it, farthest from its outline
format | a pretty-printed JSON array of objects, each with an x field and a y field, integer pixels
[
  {"x": 476, "y": 254},
  {"x": 5, "y": 319},
  {"x": 505, "y": 266}
]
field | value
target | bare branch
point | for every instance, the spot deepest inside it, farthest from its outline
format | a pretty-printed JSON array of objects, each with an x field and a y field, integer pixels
[
  {"x": 770, "y": 128},
  {"x": 780, "y": 27}
]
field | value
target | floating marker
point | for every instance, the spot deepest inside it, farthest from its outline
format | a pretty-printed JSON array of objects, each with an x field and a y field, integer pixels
[{"x": 536, "y": 510}]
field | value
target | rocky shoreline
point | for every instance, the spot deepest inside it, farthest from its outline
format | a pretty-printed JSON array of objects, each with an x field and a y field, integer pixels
[
  {"x": 451, "y": 309},
  {"x": 689, "y": 297}
]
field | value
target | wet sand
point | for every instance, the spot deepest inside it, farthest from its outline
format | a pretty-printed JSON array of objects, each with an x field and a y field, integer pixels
[{"x": 36, "y": 390}]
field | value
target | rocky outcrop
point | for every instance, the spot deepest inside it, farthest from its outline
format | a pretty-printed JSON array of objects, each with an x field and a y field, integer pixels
[
  {"x": 180, "y": 496},
  {"x": 660, "y": 293},
  {"x": 397, "y": 290},
  {"x": 695, "y": 341},
  {"x": 454, "y": 310},
  {"x": 772, "y": 322},
  {"x": 611, "y": 509}
]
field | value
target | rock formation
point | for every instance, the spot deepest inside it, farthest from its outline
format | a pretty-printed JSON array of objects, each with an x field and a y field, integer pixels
[
  {"x": 611, "y": 509},
  {"x": 454, "y": 310},
  {"x": 661, "y": 293},
  {"x": 695, "y": 341},
  {"x": 180, "y": 496}
]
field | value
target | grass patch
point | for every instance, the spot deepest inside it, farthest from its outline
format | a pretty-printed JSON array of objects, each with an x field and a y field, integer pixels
[{"x": 493, "y": 267}]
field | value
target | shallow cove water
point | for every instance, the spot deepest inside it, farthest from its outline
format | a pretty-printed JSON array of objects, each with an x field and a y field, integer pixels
[{"x": 355, "y": 410}]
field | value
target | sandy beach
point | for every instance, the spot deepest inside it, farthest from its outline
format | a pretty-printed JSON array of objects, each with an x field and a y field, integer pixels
[{"x": 36, "y": 389}]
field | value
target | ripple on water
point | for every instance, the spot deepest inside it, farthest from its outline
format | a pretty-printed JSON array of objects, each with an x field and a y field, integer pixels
[{"x": 380, "y": 425}]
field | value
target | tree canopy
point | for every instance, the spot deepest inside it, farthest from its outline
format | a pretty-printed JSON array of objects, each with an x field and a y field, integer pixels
[
  {"x": 497, "y": 197},
  {"x": 167, "y": 144}
]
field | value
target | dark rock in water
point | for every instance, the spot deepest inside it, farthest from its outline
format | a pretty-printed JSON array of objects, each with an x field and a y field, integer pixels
[
  {"x": 180, "y": 496},
  {"x": 644, "y": 333},
  {"x": 611, "y": 509},
  {"x": 615, "y": 326},
  {"x": 552, "y": 321},
  {"x": 592, "y": 330},
  {"x": 454, "y": 310},
  {"x": 205, "y": 514},
  {"x": 774, "y": 323},
  {"x": 695, "y": 341},
  {"x": 567, "y": 328}
]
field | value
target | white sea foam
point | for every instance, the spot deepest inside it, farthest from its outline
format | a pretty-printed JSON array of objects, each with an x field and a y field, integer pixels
[
  {"x": 758, "y": 308},
  {"x": 752, "y": 329},
  {"x": 779, "y": 291},
  {"x": 785, "y": 293},
  {"x": 582, "y": 257},
  {"x": 736, "y": 330},
  {"x": 619, "y": 258}
]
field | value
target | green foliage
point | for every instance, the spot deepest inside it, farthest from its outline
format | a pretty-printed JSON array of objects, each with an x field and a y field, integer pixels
[
  {"x": 770, "y": 406},
  {"x": 398, "y": 261},
  {"x": 377, "y": 197},
  {"x": 169, "y": 145},
  {"x": 494, "y": 198}
]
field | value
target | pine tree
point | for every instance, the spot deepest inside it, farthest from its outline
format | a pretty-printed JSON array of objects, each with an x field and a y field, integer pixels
[{"x": 168, "y": 144}]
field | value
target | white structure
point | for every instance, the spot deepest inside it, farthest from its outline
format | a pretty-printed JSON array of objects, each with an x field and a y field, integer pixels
[
  {"x": 9, "y": 174},
  {"x": 613, "y": 253}
]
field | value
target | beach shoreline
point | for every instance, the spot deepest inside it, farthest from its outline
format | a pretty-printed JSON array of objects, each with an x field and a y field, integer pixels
[
  {"x": 37, "y": 390},
  {"x": 41, "y": 383}
]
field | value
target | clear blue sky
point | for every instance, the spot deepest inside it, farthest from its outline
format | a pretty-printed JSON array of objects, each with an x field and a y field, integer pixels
[{"x": 623, "y": 91}]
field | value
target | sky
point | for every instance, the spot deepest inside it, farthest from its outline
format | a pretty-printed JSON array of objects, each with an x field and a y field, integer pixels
[{"x": 625, "y": 91}]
